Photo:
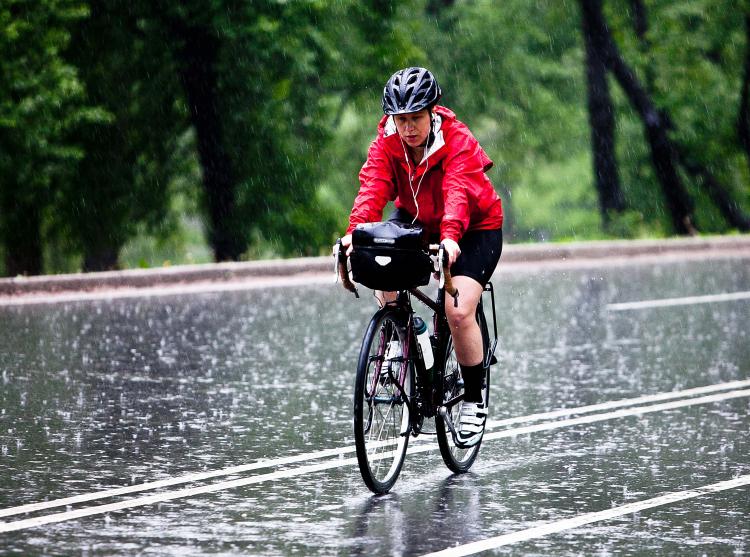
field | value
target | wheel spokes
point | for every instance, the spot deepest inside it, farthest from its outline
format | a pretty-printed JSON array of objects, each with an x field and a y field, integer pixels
[{"x": 385, "y": 406}]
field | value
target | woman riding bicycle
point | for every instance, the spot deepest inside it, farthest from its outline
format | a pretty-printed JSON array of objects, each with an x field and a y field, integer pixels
[{"x": 435, "y": 170}]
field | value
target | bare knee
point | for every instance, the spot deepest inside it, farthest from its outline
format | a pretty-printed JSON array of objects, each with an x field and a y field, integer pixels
[{"x": 461, "y": 317}]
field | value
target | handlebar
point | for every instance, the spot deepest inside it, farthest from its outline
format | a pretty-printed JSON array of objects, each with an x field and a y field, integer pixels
[{"x": 445, "y": 279}]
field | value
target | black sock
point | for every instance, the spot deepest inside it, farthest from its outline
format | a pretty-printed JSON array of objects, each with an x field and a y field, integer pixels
[{"x": 473, "y": 379}]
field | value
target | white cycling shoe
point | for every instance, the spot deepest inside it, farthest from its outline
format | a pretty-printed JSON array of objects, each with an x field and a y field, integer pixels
[{"x": 471, "y": 420}]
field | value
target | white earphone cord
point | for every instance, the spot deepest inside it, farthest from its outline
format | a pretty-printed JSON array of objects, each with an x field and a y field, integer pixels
[{"x": 411, "y": 183}]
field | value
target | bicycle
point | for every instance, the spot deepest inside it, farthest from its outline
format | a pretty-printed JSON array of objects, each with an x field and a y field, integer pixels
[{"x": 394, "y": 393}]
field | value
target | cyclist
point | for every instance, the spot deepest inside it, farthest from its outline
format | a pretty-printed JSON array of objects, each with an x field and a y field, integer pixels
[{"x": 430, "y": 164}]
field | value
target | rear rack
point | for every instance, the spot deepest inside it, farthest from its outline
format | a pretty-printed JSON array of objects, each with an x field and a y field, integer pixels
[{"x": 490, "y": 357}]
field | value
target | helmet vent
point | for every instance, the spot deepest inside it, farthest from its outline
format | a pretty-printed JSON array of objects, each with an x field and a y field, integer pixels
[{"x": 410, "y": 90}]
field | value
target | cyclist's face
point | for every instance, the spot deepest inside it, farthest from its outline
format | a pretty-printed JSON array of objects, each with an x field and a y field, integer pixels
[{"x": 413, "y": 128}]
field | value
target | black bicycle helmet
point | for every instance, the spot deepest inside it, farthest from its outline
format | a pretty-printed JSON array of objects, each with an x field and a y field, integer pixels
[{"x": 410, "y": 90}]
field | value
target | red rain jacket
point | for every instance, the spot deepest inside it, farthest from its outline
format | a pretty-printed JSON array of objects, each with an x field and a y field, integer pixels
[{"x": 453, "y": 193}]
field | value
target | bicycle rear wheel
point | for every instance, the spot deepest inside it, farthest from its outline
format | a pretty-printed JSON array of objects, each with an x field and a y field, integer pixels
[
  {"x": 459, "y": 460},
  {"x": 382, "y": 392}
]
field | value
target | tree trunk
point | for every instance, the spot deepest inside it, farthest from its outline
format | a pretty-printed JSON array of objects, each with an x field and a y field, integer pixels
[
  {"x": 105, "y": 259},
  {"x": 602, "y": 121},
  {"x": 719, "y": 195},
  {"x": 197, "y": 59},
  {"x": 663, "y": 154},
  {"x": 21, "y": 231},
  {"x": 728, "y": 207},
  {"x": 640, "y": 19},
  {"x": 640, "y": 25},
  {"x": 743, "y": 120},
  {"x": 435, "y": 7}
]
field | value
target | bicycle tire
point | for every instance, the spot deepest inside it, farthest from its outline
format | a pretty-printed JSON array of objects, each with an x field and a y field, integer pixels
[
  {"x": 459, "y": 460},
  {"x": 381, "y": 409}
]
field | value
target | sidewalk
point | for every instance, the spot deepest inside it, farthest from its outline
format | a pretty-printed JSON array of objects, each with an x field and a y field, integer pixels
[{"x": 513, "y": 255}]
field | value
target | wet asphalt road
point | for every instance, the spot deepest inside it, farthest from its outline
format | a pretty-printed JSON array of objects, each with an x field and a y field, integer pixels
[{"x": 104, "y": 394}]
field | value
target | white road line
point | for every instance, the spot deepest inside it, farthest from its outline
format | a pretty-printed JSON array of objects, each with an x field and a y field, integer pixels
[
  {"x": 188, "y": 478},
  {"x": 588, "y": 518},
  {"x": 688, "y": 300},
  {"x": 493, "y": 424},
  {"x": 638, "y": 410},
  {"x": 341, "y": 462},
  {"x": 341, "y": 451},
  {"x": 169, "y": 496}
]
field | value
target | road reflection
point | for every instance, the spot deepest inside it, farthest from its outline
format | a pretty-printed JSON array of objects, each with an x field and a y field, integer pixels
[{"x": 446, "y": 515}]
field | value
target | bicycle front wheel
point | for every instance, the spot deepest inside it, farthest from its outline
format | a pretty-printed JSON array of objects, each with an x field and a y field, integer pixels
[
  {"x": 459, "y": 460},
  {"x": 382, "y": 393}
]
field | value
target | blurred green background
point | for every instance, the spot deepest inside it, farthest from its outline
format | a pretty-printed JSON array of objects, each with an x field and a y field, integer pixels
[{"x": 145, "y": 133}]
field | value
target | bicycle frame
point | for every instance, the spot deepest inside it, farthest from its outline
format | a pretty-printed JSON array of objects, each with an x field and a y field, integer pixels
[
  {"x": 394, "y": 392},
  {"x": 428, "y": 395}
]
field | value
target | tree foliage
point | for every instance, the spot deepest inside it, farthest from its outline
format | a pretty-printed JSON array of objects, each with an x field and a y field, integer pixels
[
  {"x": 41, "y": 101},
  {"x": 690, "y": 61},
  {"x": 123, "y": 178},
  {"x": 113, "y": 114}
]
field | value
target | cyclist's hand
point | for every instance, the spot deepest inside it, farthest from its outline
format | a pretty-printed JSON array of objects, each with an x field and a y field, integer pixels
[
  {"x": 452, "y": 249},
  {"x": 346, "y": 241}
]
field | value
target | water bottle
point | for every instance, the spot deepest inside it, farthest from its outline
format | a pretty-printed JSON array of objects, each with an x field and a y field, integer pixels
[{"x": 423, "y": 338}]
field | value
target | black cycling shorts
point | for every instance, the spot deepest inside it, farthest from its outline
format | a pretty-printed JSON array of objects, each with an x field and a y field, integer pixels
[{"x": 480, "y": 250}]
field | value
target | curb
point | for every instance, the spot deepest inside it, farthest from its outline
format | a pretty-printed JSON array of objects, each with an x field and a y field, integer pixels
[{"x": 226, "y": 272}]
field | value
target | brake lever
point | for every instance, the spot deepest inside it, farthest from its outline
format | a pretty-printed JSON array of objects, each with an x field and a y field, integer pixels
[
  {"x": 336, "y": 249},
  {"x": 446, "y": 281},
  {"x": 341, "y": 270}
]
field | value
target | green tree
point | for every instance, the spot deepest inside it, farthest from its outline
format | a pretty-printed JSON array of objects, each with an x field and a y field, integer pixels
[
  {"x": 601, "y": 118},
  {"x": 263, "y": 83},
  {"x": 688, "y": 59},
  {"x": 122, "y": 182},
  {"x": 515, "y": 76},
  {"x": 373, "y": 39},
  {"x": 41, "y": 100},
  {"x": 743, "y": 114}
]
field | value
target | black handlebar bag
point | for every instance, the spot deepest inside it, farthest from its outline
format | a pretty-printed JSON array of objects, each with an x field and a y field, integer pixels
[{"x": 389, "y": 256}]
